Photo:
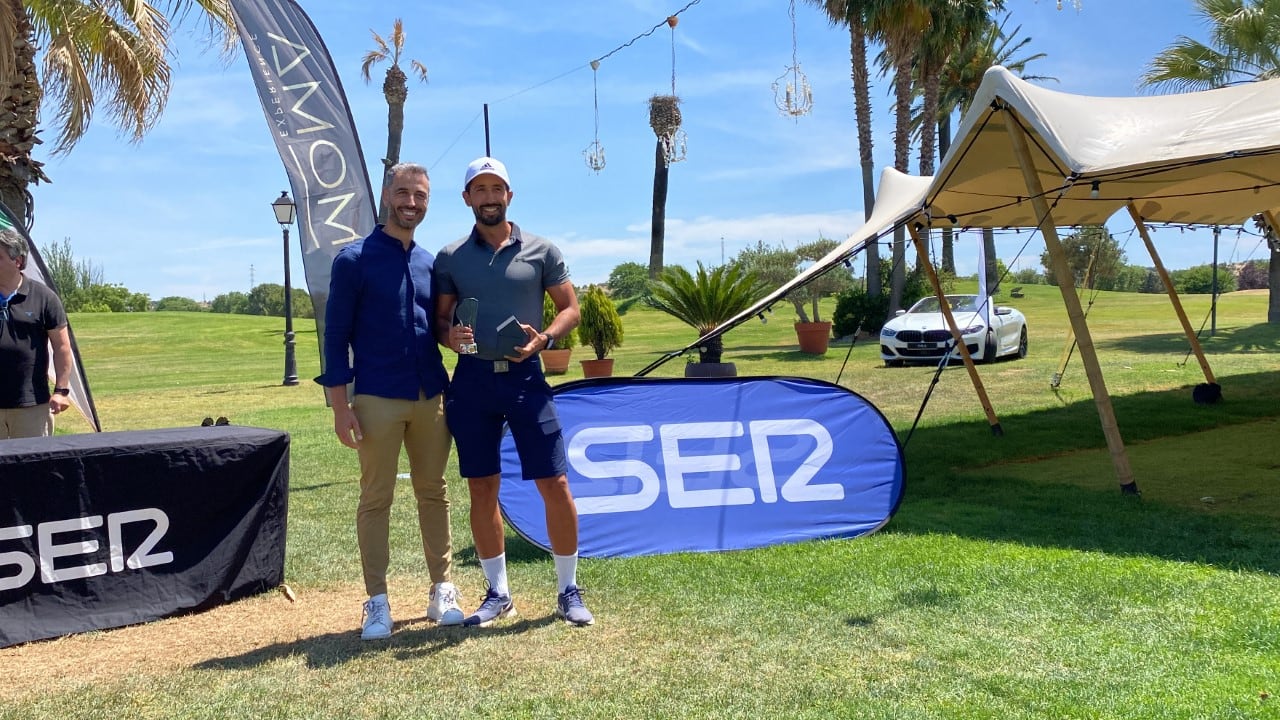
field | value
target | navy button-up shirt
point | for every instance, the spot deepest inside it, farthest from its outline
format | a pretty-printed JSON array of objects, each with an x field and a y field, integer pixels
[{"x": 381, "y": 306}]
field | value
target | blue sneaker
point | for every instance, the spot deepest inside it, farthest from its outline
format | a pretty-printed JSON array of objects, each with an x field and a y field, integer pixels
[
  {"x": 495, "y": 606},
  {"x": 569, "y": 606}
]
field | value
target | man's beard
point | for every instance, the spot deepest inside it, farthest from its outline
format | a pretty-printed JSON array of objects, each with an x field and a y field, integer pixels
[
  {"x": 394, "y": 219},
  {"x": 485, "y": 218}
]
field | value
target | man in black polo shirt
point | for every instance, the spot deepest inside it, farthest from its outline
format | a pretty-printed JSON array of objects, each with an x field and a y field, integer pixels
[
  {"x": 31, "y": 319},
  {"x": 507, "y": 271}
]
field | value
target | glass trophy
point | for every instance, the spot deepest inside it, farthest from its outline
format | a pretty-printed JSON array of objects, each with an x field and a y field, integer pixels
[{"x": 465, "y": 314}]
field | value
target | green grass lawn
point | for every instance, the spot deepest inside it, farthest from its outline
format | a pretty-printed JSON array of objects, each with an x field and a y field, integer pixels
[{"x": 1014, "y": 582}]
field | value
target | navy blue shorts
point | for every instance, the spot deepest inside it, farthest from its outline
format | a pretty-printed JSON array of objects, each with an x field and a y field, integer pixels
[{"x": 480, "y": 402}]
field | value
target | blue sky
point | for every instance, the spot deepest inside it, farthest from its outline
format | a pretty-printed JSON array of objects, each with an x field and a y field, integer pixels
[{"x": 186, "y": 211}]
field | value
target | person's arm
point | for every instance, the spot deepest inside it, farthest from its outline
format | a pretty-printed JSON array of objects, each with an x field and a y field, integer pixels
[
  {"x": 60, "y": 339},
  {"x": 447, "y": 333},
  {"x": 567, "y": 313},
  {"x": 340, "y": 318}
]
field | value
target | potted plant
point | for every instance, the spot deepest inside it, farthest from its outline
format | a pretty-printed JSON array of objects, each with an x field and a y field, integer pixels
[
  {"x": 814, "y": 336},
  {"x": 775, "y": 266},
  {"x": 601, "y": 328},
  {"x": 556, "y": 360},
  {"x": 706, "y": 301}
]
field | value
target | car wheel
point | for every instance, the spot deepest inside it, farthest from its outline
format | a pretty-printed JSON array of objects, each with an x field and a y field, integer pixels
[
  {"x": 989, "y": 352},
  {"x": 1022, "y": 343}
]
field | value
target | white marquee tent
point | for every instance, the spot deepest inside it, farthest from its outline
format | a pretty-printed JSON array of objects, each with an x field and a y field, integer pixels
[{"x": 1025, "y": 156}]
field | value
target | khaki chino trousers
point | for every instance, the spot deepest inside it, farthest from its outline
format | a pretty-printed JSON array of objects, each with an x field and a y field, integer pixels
[
  {"x": 418, "y": 426},
  {"x": 27, "y": 422}
]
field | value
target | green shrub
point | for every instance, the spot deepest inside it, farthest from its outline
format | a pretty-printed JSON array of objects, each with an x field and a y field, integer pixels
[
  {"x": 1028, "y": 276},
  {"x": 628, "y": 281},
  {"x": 569, "y": 339},
  {"x": 1198, "y": 280},
  {"x": 855, "y": 308},
  {"x": 177, "y": 303},
  {"x": 601, "y": 328}
]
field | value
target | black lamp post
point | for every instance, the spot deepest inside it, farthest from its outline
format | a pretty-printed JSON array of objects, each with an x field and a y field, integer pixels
[{"x": 285, "y": 212}]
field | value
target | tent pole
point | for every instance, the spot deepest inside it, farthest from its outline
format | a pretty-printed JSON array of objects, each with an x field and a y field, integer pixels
[
  {"x": 922, "y": 254},
  {"x": 1173, "y": 293},
  {"x": 1067, "y": 286},
  {"x": 1070, "y": 344}
]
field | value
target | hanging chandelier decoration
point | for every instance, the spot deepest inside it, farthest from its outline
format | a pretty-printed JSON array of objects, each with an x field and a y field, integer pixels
[
  {"x": 594, "y": 154},
  {"x": 664, "y": 112},
  {"x": 791, "y": 92}
]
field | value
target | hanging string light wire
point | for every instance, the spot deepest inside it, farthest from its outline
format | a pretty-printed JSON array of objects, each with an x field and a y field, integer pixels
[
  {"x": 594, "y": 154},
  {"x": 623, "y": 46}
]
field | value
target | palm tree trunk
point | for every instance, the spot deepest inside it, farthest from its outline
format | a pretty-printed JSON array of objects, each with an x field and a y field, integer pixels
[
  {"x": 658, "y": 224},
  {"x": 396, "y": 90},
  {"x": 19, "y": 105},
  {"x": 989, "y": 250},
  {"x": 901, "y": 161},
  {"x": 1273, "y": 281},
  {"x": 948, "y": 235},
  {"x": 862, "y": 111},
  {"x": 929, "y": 110}
]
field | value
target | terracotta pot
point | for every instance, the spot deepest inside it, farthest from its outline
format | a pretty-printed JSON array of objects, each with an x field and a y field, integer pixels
[
  {"x": 597, "y": 368},
  {"x": 814, "y": 337},
  {"x": 556, "y": 362}
]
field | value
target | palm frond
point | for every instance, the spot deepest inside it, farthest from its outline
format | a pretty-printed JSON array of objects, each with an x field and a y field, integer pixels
[
  {"x": 419, "y": 69},
  {"x": 90, "y": 50},
  {"x": 371, "y": 58}
]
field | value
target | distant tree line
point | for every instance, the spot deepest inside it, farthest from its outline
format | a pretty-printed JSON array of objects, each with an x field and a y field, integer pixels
[
  {"x": 265, "y": 299},
  {"x": 1097, "y": 262},
  {"x": 80, "y": 284}
]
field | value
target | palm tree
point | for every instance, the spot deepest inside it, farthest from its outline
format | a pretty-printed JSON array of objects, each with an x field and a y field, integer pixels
[
  {"x": 395, "y": 88},
  {"x": 954, "y": 24},
  {"x": 706, "y": 301},
  {"x": 898, "y": 26},
  {"x": 960, "y": 78},
  {"x": 852, "y": 13},
  {"x": 912, "y": 32},
  {"x": 95, "y": 52},
  {"x": 1245, "y": 46}
]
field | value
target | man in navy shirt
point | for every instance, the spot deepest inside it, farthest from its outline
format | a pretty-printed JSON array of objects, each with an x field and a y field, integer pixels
[{"x": 380, "y": 310}]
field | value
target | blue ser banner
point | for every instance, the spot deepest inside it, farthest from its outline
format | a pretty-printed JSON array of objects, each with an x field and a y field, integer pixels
[{"x": 699, "y": 465}]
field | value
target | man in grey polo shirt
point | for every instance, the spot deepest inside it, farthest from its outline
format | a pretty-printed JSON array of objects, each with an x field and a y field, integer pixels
[{"x": 507, "y": 271}]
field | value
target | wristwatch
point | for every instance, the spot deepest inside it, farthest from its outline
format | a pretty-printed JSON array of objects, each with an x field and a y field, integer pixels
[
  {"x": 62, "y": 391},
  {"x": 551, "y": 341}
]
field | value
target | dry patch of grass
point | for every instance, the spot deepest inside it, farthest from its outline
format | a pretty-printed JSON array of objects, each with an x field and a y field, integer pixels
[{"x": 166, "y": 646}]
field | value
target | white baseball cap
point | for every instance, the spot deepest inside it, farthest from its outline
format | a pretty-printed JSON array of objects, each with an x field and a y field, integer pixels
[{"x": 486, "y": 166}]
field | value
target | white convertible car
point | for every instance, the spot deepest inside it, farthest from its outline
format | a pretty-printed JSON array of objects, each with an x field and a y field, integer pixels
[{"x": 920, "y": 334}]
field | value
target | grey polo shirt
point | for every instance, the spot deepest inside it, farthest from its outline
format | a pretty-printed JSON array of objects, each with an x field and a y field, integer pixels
[{"x": 508, "y": 282}]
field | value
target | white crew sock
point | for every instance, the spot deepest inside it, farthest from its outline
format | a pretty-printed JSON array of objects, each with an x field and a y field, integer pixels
[
  {"x": 566, "y": 570},
  {"x": 495, "y": 571}
]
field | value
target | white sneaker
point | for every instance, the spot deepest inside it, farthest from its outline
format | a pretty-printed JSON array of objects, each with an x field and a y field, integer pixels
[
  {"x": 377, "y": 618},
  {"x": 443, "y": 606}
]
